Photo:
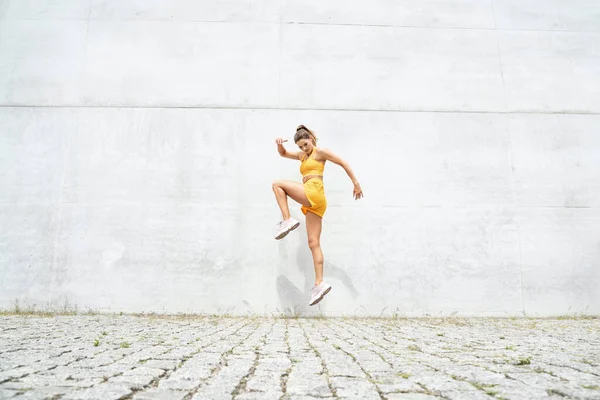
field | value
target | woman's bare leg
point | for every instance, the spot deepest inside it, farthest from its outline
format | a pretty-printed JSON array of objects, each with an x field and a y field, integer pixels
[
  {"x": 295, "y": 190},
  {"x": 313, "y": 229}
]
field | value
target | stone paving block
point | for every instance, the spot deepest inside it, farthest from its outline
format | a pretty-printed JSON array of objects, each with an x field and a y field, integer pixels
[
  {"x": 6, "y": 393},
  {"x": 410, "y": 367},
  {"x": 36, "y": 380},
  {"x": 16, "y": 385},
  {"x": 106, "y": 391},
  {"x": 213, "y": 392},
  {"x": 8, "y": 363},
  {"x": 46, "y": 392},
  {"x": 134, "y": 382},
  {"x": 308, "y": 385},
  {"x": 518, "y": 390},
  {"x": 162, "y": 364},
  {"x": 272, "y": 395},
  {"x": 309, "y": 365},
  {"x": 354, "y": 388},
  {"x": 476, "y": 375},
  {"x": 160, "y": 394},
  {"x": 373, "y": 366},
  {"x": 466, "y": 395},
  {"x": 399, "y": 386},
  {"x": 264, "y": 382},
  {"x": 223, "y": 384},
  {"x": 536, "y": 379},
  {"x": 204, "y": 358},
  {"x": 273, "y": 363},
  {"x": 441, "y": 382},
  {"x": 178, "y": 384},
  {"x": 99, "y": 372},
  {"x": 16, "y": 373},
  {"x": 345, "y": 368},
  {"x": 411, "y": 396},
  {"x": 143, "y": 370},
  {"x": 192, "y": 372},
  {"x": 577, "y": 392}
]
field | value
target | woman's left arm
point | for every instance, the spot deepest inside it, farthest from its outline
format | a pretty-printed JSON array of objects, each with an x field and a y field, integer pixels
[{"x": 330, "y": 156}]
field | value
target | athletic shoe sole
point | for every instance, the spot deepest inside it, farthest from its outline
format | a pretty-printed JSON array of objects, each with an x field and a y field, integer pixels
[
  {"x": 284, "y": 234},
  {"x": 321, "y": 297}
]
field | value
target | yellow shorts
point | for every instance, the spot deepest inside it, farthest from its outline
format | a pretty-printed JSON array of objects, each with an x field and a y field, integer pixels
[{"x": 313, "y": 188}]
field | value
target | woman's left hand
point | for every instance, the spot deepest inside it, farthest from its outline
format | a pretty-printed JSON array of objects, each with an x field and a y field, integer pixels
[{"x": 358, "y": 193}]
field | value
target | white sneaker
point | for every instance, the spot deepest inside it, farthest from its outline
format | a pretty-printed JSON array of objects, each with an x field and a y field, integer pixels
[
  {"x": 318, "y": 292},
  {"x": 285, "y": 227}
]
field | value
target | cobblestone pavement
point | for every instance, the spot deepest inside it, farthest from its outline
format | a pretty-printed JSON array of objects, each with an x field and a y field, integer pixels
[{"x": 127, "y": 357}]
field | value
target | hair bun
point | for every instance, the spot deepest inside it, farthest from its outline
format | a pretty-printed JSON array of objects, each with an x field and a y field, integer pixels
[{"x": 302, "y": 132}]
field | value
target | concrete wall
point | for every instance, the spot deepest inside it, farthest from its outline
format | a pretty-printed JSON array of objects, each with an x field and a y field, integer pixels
[{"x": 137, "y": 152}]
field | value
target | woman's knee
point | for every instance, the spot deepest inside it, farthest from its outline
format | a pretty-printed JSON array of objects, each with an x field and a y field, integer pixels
[
  {"x": 313, "y": 242},
  {"x": 277, "y": 185}
]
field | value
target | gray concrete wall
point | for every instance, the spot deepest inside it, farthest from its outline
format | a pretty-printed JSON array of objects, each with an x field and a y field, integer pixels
[{"x": 137, "y": 152}]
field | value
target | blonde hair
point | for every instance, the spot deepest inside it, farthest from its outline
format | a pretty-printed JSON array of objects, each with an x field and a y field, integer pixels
[{"x": 303, "y": 132}]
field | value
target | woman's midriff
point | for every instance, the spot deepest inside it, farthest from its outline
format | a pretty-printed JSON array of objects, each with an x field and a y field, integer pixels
[{"x": 309, "y": 177}]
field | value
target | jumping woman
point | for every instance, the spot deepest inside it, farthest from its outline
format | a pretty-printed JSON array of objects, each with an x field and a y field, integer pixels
[{"x": 311, "y": 195}]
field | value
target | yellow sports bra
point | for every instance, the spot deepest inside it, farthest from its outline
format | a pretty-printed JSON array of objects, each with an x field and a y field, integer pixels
[{"x": 310, "y": 166}]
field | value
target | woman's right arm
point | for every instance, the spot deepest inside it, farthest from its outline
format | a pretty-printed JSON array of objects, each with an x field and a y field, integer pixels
[{"x": 294, "y": 155}]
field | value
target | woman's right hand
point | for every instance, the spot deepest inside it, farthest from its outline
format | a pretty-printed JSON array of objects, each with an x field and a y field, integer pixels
[{"x": 280, "y": 141}]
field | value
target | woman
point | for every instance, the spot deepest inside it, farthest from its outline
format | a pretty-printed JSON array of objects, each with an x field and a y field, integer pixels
[{"x": 311, "y": 195}]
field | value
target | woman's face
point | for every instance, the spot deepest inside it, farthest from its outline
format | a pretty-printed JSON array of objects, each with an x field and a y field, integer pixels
[{"x": 305, "y": 145}]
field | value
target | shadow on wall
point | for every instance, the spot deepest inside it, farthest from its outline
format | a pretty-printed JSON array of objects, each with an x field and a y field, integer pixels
[{"x": 294, "y": 302}]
